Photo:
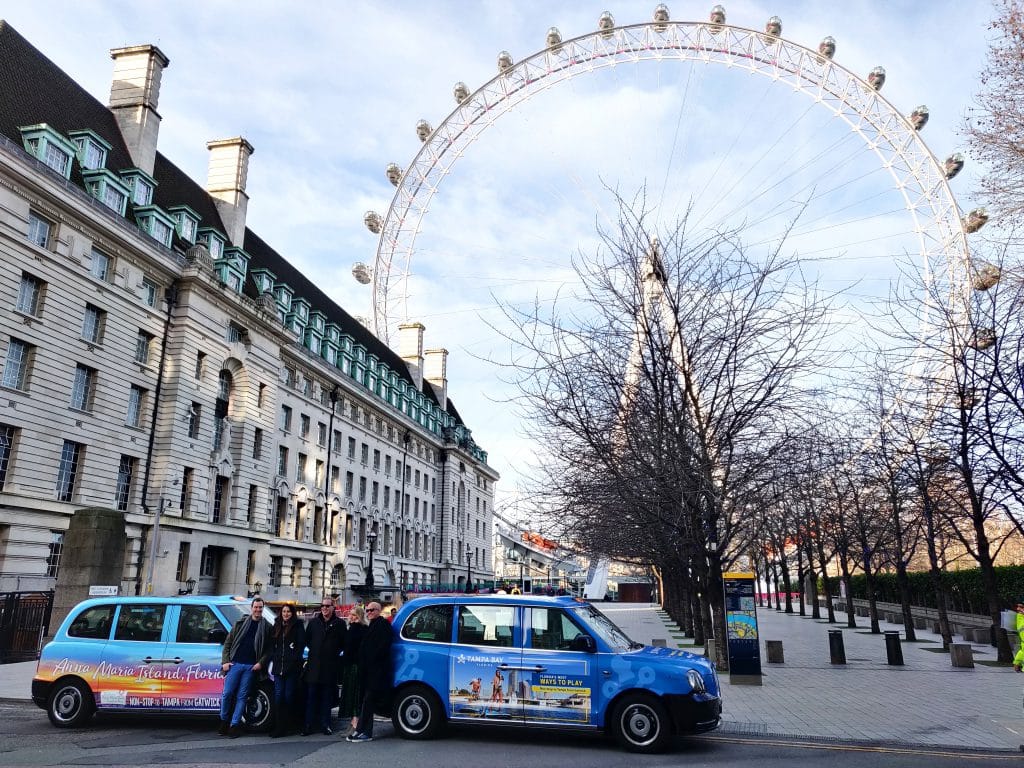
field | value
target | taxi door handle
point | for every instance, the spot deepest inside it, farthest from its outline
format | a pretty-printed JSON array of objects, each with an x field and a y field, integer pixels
[
  {"x": 537, "y": 668},
  {"x": 151, "y": 660},
  {"x": 175, "y": 660}
]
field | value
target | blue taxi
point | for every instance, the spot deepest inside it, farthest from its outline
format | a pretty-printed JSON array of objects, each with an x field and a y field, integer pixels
[{"x": 540, "y": 661}]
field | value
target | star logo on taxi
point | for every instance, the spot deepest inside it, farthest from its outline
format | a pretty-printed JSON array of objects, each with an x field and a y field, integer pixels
[{"x": 462, "y": 658}]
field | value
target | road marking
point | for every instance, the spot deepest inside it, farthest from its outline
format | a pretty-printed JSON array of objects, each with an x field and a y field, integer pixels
[{"x": 858, "y": 748}]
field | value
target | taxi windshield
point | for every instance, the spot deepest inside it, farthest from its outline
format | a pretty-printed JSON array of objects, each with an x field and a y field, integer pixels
[{"x": 604, "y": 628}]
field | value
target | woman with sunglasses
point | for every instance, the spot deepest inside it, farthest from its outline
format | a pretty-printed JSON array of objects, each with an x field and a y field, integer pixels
[
  {"x": 289, "y": 640},
  {"x": 351, "y": 691}
]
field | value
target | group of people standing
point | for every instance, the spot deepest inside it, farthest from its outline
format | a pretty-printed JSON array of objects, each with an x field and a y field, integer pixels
[{"x": 355, "y": 652}]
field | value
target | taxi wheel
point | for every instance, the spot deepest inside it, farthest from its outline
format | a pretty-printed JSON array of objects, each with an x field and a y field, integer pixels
[
  {"x": 259, "y": 708},
  {"x": 70, "y": 703},
  {"x": 417, "y": 713},
  {"x": 641, "y": 724}
]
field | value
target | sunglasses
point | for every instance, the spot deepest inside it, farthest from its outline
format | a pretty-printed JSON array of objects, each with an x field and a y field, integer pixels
[{"x": 326, "y": 605}]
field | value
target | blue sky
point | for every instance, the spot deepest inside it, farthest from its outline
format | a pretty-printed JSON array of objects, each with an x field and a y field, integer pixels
[{"x": 329, "y": 93}]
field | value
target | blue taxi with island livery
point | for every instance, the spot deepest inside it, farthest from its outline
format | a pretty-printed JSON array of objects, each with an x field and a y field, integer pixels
[{"x": 542, "y": 661}]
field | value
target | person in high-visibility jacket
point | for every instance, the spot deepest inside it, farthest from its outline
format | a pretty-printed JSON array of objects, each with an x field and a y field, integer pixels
[{"x": 1018, "y": 660}]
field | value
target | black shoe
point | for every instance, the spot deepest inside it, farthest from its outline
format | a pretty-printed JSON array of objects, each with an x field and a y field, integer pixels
[
  {"x": 234, "y": 731},
  {"x": 223, "y": 728},
  {"x": 327, "y": 731},
  {"x": 305, "y": 732}
]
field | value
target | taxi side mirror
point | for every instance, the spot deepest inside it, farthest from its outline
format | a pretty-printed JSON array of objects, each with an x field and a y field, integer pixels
[
  {"x": 584, "y": 643},
  {"x": 217, "y": 635}
]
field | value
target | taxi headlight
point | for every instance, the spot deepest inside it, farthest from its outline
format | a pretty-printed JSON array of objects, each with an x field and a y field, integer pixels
[{"x": 696, "y": 681}]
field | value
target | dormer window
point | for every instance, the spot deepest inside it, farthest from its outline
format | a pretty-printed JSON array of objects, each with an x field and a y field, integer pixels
[
  {"x": 264, "y": 280},
  {"x": 141, "y": 185},
  {"x": 213, "y": 241},
  {"x": 91, "y": 149},
  {"x": 186, "y": 221},
  {"x": 106, "y": 187},
  {"x": 156, "y": 223},
  {"x": 50, "y": 147}
]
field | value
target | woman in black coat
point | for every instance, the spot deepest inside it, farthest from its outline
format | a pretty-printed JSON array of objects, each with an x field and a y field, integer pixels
[
  {"x": 289, "y": 640},
  {"x": 351, "y": 690}
]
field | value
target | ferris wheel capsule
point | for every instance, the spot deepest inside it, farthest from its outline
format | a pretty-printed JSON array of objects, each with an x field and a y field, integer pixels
[
  {"x": 985, "y": 276},
  {"x": 394, "y": 173},
  {"x": 606, "y": 23},
  {"x": 361, "y": 272},
  {"x": 717, "y": 17},
  {"x": 461, "y": 92},
  {"x": 372, "y": 221},
  {"x": 773, "y": 27},
  {"x": 423, "y": 130},
  {"x": 953, "y": 164},
  {"x": 975, "y": 220},
  {"x": 919, "y": 117},
  {"x": 827, "y": 47},
  {"x": 876, "y": 78},
  {"x": 661, "y": 17},
  {"x": 554, "y": 39},
  {"x": 505, "y": 61}
]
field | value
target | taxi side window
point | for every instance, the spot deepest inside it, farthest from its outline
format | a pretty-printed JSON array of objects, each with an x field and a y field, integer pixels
[
  {"x": 93, "y": 623},
  {"x": 142, "y": 623},
  {"x": 432, "y": 623},
  {"x": 195, "y": 622},
  {"x": 486, "y": 625},
  {"x": 552, "y": 630}
]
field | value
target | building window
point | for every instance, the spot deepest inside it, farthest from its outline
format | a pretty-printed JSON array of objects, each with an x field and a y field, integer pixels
[
  {"x": 7, "y": 435},
  {"x": 39, "y": 230},
  {"x": 319, "y": 480},
  {"x": 30, "y": 294},
  {"x": 136, "y": 406},
  {"x": 250, "y": 567},
  {"x": 93, "y": 324},
  {"x": 67, "y": 472},
  {"x": 374, "y": 493},
  {"x": 195, "y": 414},
  {"x": 352, "y": 448},
  {"x": 57, "y": 159},
  {"x": 300, "y": 469},
  {"x": 208, "y": 562},
  {"x": 286, "y": 418},
  {"x": 304, "y": 425},
  {"x": 142, "y": 191},
  {"x": 335, "y": 479},
  {"x": 90, "y": 154},
  {"x": 102, "y": 266},
  {"x": 296, "y": 572},
  {"x": 83, "y": 388},
  {"x": 200, "y": 365},
  {"x": 187, "y": 477},
  {"x": 257, "y": 443},
  {"x": 364, "y": 454},
  {"x": 362, "y": 489},
  {"x": 250, "y": 509},
  {"x": 114, "y": 198},
  {"x": 53, "y": 556},
  {"x": 307, "y": 386},
  {"x": 275, "y": 571},
  {"x": 220, "y": 493},
  {"x": 149, "y": 291},
  {"x": 376, "y": 461},
  {"x": 236, "y": 333},
  {"x": 349, "y": 481},
  {"x": 181, "y": 572},
  {"x": 336, "y": 440},
  {"x": 125, "y": 476},
  {"x": 142, "y": 346},
  {"x": 289, "y": 377},
  {"x": 321, "y": 434},
  {"x": 261, "y": 398},
  {"x": 282, "y": 461}
]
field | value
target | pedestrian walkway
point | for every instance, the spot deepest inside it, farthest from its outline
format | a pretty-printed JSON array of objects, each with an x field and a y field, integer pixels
[{"x": 925, "y": 702}]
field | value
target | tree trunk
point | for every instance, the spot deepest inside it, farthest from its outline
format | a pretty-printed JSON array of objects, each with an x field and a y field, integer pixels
[
  {"x": 869, "y": 584},
  {"x": 787, "y": 585},
  {"x": 903, "y": 582},
  {"x": 851, "y": 614},
  {"x": 800, "y": 582}
]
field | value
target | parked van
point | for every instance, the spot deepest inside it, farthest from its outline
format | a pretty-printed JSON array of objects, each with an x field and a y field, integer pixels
[
  {"x": 142, "y": 654},
  {"x": 549, "y": 662}
]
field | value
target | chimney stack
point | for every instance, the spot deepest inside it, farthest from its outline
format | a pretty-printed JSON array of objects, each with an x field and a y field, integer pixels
[
  {"x": 134, "y": 94},
  {"x": 435, "y": 370},
  {"x": 225, "y": 181},
  {"x": 410, "y": 349}
]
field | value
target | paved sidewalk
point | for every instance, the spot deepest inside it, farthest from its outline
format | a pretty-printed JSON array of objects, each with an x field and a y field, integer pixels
[{"x": 925, "y": 702}]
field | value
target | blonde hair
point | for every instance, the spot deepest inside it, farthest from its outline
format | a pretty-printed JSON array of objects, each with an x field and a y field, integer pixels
[{"x": 360, "y": 613}]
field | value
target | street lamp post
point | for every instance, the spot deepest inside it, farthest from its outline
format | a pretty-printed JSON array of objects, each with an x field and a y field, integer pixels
[
  {"x": 326, "y": 539},
  {"x": 469, "y": 554},
  {"x": 371, "y": 539}
]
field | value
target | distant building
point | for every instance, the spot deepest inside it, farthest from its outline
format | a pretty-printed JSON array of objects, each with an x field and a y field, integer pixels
[{"x": 159, "y": 358}]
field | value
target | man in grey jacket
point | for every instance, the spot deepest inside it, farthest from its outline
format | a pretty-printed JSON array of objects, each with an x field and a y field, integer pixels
[{"x": 246, "y": 650}]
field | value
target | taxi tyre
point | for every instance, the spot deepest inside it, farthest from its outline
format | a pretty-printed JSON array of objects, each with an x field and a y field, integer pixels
[
  {"x": 70, "y": 703},
  {"x": 641, "y": 723},
  {"x": 417, "y": 713},
  {"x": 259, "y": 709}
]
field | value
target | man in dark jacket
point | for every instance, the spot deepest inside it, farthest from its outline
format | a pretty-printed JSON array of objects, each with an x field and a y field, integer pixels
[
  {"x": 374, "y": 671},
  {"x": 245, "y": 655},
  {"x": 325, "y": 636}
]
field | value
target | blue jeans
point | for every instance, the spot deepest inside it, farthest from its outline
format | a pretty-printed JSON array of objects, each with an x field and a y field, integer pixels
[
  {"x": 319, "y": 700},
  {"x": 237, "y": 683},
  {"x": 285, "y": 690}
]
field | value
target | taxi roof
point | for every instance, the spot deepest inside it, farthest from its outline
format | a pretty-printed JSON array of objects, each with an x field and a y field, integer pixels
[
  {"x": 460, "y": 598},
  {"x": 167, "y": 599}
]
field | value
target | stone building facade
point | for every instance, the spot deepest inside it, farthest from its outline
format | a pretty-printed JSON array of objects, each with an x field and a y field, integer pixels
[{"x": 160, "y": 359}]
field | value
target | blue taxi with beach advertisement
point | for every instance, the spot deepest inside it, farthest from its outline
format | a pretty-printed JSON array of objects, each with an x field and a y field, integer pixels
[
  {"x": 549, "y": 662},
  {"x": 157, "y": 655}
]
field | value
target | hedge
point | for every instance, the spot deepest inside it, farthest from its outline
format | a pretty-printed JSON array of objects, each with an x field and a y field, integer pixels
[{"x": 964, "y": 590}]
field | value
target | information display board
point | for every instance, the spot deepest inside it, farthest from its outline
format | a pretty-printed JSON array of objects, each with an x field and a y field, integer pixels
[{"x": 741, "y": 623}]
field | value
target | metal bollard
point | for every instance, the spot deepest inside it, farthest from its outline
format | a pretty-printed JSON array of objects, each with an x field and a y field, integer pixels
[
  {"x": 773, "y": 649},
  {"x": 835, "y": 646},
  {"x": 893, "y": 649}
]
